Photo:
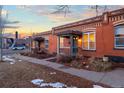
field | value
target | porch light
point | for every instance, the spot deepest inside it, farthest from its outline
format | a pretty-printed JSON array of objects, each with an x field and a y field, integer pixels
[
  {"x": 79, "y": 40},
  {"x": 76, "y": 37}
]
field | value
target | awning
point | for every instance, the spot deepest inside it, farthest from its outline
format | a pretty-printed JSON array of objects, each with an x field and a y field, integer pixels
[
  {"x": 39, "y": 39},
  {"x": 69, "y": 32}
]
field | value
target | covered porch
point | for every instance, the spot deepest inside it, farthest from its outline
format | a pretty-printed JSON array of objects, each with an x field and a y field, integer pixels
[{"x": 68, "y": 41}]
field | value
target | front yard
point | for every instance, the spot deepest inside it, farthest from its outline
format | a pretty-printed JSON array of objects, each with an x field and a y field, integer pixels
[
  {"x": 79, "y": 62},
  {"x": 20, "y": 74}
]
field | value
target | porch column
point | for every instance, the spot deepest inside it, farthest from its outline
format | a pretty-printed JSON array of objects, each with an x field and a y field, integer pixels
[
  {"x": 58, "y": 45},
  {"x": 71, "y": 45}
]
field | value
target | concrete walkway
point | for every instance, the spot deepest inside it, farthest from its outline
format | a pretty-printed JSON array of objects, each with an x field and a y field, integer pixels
[{"x": 113, "y": 78}]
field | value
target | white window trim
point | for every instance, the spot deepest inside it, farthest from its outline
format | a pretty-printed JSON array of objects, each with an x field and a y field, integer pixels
[
  {"x": 89, "y": 40},
  {"x": 118, "y": 22}
]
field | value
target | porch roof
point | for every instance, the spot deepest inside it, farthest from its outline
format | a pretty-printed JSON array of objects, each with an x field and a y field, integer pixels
[
  {"x": 69, "y": 32},
  {"x": 39, "y": 39}
]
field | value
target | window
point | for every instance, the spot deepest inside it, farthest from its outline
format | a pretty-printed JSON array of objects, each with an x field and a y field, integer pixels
[
  {"x": 46, "y": 43},
  {"x": 89, "y": 42},
  {"x": 119, "y": 37},
  {"x": 61, "y": 42}
]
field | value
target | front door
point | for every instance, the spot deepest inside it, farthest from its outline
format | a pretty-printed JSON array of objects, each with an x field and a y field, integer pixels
[{"x": 74, "y": 47}]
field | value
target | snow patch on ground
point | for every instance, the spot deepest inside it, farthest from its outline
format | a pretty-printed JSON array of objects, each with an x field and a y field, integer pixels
[
  {"x": 52, "y": 73},
  {"x": 37, "y": 81},
  {"x": 97, "y": 86},
  {"x": 19, "y": 60},
  {"x": 72, "y": 87},
  {"x": 41, "y": 83},
  {"x": 54, "y": 85},
  {"x": 8, "y": 59},
  {"x": 12, "y": 63}
]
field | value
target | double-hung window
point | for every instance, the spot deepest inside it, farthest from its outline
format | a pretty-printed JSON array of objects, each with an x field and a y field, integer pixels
[
  {"x": 46, "y": 43},
  {"x": 119, "y": 37},
  {"x": 89, "y": 41}
]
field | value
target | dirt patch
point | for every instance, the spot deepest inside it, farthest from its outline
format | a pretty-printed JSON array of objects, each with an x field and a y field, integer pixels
[
  {"x": 20, "y": 75},
  {"x": 39, "y": 56}
]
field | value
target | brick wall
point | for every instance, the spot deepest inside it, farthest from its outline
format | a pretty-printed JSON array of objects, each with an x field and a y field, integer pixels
[
  {"x": 104, "y": 36},
  {"x": 52, "y": 43}
]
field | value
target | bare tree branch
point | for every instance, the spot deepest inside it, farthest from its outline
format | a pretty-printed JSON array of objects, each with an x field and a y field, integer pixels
[
  {"x": 62, "y": 9},
  {"x": 99, "y": 8}
]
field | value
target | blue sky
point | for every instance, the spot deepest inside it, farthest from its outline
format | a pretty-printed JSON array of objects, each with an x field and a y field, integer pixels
[{"x": 39, "y": 18}]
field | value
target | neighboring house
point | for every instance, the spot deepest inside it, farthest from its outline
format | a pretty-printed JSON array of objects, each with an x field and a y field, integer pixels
[
  {"x": 45, "y": 43},
  {"x": 98, "y": 36}
]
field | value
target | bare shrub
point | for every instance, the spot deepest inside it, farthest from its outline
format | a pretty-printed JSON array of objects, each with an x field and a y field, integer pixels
[
  {"x": 77, "y": 64},
  {"x": 42, "y": 53},
  {"x": 99, "y": 65},
  {"x": 80, "y": 55},
  {"x": 64, "y": 59}
]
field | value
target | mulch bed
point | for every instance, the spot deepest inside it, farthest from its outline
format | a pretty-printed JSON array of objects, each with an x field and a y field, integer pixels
[
  {"x": 114, "y": 65},
  {"x": 69, "y": 64},
  {"x": 20, "y": 75}
]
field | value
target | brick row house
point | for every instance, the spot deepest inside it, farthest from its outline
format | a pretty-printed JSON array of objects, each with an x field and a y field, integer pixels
[{"x": 98, "y": 36}]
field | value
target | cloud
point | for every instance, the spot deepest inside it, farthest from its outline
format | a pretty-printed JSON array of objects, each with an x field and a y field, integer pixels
[
  {"x": 12, "y": 22},
  {"x": 75, "y": 14},
  {"x": 47, "y": 11},
  {"x": 10, "y": 27}
]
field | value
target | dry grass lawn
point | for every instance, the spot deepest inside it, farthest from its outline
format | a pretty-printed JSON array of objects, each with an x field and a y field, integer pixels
[{"x": 20, "y": 75}]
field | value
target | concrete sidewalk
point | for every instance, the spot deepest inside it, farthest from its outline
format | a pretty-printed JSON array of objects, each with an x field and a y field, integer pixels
[{"x": 113, "y": 78}]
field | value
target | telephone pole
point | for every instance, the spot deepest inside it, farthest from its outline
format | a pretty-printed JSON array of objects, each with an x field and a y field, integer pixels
[{"x": 1, "y": 28}]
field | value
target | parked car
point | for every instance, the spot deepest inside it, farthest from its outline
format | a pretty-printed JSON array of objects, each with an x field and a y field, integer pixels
[{"x": 18, "y": 47}]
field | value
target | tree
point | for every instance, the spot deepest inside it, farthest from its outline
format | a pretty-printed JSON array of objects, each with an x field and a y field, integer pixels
[
  {"x": 62, "y": 9},
  {"x": 65, "y": 9},
  {"x": 98, "y": 8},
  {"x": 3, "y": 23}
]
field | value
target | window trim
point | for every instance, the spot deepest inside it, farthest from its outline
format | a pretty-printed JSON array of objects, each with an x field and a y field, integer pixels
[
  {"x": 115, "y": 37},
  {"x": 90, "y": 32}
]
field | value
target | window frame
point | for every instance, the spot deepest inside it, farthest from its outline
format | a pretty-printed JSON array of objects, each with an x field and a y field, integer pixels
[
  {"x": 115, "y": 38},
  {"x": 88, "y": 33}
]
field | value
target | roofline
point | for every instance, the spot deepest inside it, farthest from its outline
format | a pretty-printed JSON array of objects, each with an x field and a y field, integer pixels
[
  {"x": 90, "y": 20},
  {"x": 80, "y": 22},
  {"x": 44, "y": 33}
]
